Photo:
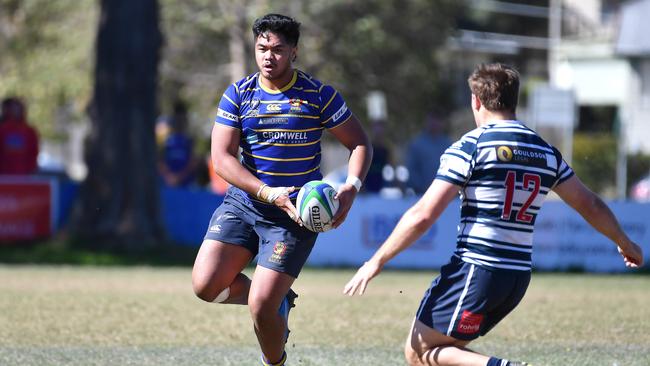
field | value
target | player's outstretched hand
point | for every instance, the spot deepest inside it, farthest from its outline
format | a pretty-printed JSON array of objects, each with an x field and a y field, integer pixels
[
  {"x": 345, "y": 196},
  {"x": 632, "y": 254},
  {"x": 359, "y": 282}
]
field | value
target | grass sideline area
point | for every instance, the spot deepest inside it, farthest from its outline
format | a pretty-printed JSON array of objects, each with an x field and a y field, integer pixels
[
  {"x": 69, "y": 252},
  {"x": 143, "y": 315}
]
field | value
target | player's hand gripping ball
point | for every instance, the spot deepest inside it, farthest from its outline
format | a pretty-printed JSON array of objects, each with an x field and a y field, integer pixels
[{"x": 316, "y": 205}]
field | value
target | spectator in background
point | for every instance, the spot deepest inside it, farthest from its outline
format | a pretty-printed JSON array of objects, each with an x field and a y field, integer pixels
[
  {"x": 18, "y": 140},
  {"x": 218, "y": 185},
  {"x": 423, "y": 153},
  {"x": 381, "y": 157},
  {"x": 176, "y": 163}
]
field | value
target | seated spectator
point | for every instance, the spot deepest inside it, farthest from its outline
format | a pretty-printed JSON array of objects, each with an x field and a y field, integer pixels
[
  {"x": 176, "y": 163},
  {"x": 18, "y": 140}
]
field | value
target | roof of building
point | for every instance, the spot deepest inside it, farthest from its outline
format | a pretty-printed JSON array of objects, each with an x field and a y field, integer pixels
[{"x": 633, "y": 37}]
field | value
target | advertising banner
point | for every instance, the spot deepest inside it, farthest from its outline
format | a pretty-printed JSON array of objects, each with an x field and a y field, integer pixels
[
  {"x": 563, "y": 240},
  {"x": 27, "y": 208}
]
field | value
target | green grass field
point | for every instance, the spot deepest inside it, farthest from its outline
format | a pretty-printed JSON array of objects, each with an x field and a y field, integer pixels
[{"x": 149, "y": 316}]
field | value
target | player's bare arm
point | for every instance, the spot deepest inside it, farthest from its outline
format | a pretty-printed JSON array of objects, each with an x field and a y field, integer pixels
[
  {"x": 354, "y": 138},
  {"x": 413, "y": 224},
  {"x": 224, "y": 149},
  {"x": 598, "y": 215}
]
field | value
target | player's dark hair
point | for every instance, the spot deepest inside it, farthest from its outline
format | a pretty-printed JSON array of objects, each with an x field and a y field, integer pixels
[
  {"x": 281, "y": 25},
  {"x": 496, "y": 86}
]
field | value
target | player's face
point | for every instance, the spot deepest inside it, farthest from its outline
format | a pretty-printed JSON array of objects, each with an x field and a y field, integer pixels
[{"x": 274, "y": 56}]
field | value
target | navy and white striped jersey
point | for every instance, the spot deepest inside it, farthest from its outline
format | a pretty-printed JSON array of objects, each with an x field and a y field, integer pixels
[{"x": 505, "y": 170}]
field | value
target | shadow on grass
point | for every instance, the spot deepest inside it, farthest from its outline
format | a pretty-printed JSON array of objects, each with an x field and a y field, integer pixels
[{"x": 67, "y": 252}]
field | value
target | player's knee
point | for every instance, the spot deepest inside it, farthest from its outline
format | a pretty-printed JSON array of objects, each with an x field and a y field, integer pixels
[
  {"x": 261, "y": 308},
  {"x": 206, "y": 292}
]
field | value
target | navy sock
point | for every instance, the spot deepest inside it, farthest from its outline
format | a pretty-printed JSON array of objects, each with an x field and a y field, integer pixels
[{"x": 493, "y": 361}]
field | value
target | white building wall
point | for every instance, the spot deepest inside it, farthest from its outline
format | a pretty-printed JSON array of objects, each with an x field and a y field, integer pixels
[
  {"x": 635, "y": 110},
  {"x": 600, "y": 77}
]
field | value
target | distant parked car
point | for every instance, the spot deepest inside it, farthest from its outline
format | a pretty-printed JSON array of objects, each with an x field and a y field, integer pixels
[{"x": 641, "y": 190}]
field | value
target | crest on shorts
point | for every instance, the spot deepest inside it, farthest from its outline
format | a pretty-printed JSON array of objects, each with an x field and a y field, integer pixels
[{"x": 279, "y": 249}]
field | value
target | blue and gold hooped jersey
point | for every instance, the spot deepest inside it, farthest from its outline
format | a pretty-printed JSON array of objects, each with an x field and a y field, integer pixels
[{"x": 281, "y": 129}]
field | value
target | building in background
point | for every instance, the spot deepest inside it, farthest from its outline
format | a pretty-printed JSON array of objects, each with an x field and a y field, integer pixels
[{"x": 598, "y": 50}]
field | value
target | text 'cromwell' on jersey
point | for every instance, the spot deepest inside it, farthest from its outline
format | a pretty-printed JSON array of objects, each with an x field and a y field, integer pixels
[{"x": 283, "y": 136}]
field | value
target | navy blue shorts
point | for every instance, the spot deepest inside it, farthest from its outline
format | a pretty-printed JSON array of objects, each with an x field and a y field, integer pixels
[
  {"x": 466, "y": 300},
  {"x": 265, "y": 230}
]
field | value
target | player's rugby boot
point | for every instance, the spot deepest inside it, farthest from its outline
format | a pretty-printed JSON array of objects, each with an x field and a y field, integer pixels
[{"x": 285, "y": 307}]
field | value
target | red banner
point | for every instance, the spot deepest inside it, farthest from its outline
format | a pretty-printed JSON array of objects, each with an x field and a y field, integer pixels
[{"x": 25, "y": 210}]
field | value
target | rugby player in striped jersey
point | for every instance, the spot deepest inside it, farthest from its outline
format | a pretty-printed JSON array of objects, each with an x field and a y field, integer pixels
[
  {"x": 276, "y": 116},
  {"x": 503, "y": 171}
]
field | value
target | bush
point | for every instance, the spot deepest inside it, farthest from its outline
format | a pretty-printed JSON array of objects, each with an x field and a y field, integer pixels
[{"x": 594, "y": 160}]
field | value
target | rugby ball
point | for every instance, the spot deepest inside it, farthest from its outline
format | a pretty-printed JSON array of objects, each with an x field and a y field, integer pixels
[{"x": 316, "y": 205}]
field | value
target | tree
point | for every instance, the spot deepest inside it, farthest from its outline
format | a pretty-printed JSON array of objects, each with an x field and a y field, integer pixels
[
  {"x": 357, "y": 46},
  {"x": 45, "y": 49},
  {"x": 386, "y": 45},
  {"x": 118, "y": 206}
]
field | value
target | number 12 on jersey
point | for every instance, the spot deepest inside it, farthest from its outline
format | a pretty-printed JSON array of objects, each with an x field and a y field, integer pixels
[{"x": 531, "y": 183}]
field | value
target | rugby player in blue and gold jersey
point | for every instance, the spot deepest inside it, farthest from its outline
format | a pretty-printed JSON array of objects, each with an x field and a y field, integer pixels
[
  {"x": 277, "y": 117},
  {"x": 503, "y": 171}
]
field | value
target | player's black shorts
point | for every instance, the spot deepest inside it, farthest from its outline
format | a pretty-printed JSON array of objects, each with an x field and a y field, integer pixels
[
  {"x": 267, "y": 231},
  {"x": 467, "y": 300}
]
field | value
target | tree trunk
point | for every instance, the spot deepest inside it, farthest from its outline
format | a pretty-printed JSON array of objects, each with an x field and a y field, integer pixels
[{"x": 118, "y": 207}]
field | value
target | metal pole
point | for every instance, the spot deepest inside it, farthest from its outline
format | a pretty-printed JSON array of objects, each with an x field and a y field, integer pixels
[
  {"x": 621, "y": 158},
  {"x": 554, "y": 37}
]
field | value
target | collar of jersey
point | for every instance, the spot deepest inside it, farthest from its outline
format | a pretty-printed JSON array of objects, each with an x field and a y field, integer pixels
[
  {"x": 284, "y": 88},
  {"x": 511, "y": 121}
]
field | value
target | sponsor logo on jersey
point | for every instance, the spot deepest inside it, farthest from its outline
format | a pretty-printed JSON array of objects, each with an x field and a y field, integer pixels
[
  {"x": 340, "y": 113},
  {"x": 295, "y": 109},
  {"x": 255, "y": 102},
  {"x": 215, "y": 229},
  {"x": 297, "y": 102},
  {"x": 504, "y": 153},
  {"x": 273, "y": 121},
  {"x": 251, "y": 113},
  {"x": 526, "y": 155},
  {"x": 284, "y": 136},
  {"x": 274, "y": 108},
  {"x": 296, "y": 105},
  {"x": 470, "y": 323},
  {"x": 225, "y": 216},
  {"x": 227, "y": 115},
  {"x": 279, "y": 250}
]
